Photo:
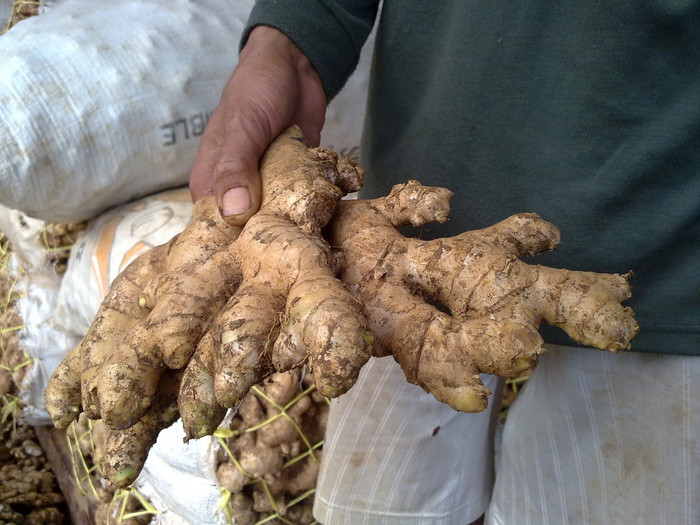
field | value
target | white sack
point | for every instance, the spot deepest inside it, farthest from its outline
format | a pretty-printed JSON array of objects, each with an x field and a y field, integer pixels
[{"x": 105, "y": 101}]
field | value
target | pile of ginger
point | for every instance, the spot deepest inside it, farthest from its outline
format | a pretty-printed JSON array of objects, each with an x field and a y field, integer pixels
[
  {"x": 271, "y": 450},
  {"x": 322, "y": 283}
]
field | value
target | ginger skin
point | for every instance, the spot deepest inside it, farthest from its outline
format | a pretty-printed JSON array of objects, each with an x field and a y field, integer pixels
[{"x": 496, "y": 301}]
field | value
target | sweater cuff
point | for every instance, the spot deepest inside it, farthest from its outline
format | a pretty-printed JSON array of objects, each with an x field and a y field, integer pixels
[{"x": 316, "y": 31}]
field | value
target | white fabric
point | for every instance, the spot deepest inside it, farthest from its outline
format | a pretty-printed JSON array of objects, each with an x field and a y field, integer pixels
[
  {"x": 395, "y": 455},
  {"x": 598, "y": 438},
  {"x": 179, "y": 479}
]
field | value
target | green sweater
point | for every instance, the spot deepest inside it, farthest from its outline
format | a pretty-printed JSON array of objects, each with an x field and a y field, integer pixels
[{"x": 587, "y": 113}]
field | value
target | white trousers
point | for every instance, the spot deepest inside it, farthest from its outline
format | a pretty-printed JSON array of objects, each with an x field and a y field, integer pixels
[
  {"x": 394, "y": 455},
  {"x": 602, "y": 439}
]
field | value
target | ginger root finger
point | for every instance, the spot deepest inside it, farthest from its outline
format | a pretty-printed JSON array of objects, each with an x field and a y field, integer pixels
[
  {"x": 201, "y": 412},
  {"x": 63, "y": 391},
  {"x": 126, "y": 450},
  {"x": 320, "y": 329},
  {"x": 127, "y": 379},
  {"x": 244, "y": 336}
]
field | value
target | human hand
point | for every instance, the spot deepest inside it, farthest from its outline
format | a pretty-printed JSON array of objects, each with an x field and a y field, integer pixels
[{"x": 273, "y": 87}]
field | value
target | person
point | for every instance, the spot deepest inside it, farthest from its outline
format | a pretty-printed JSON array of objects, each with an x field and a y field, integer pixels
[{"x": 586, "y": 113}]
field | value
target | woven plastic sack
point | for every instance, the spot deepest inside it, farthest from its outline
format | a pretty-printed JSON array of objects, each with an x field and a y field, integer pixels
[
  {"x": 35, "y": 285},
  {"x": 105, "y": 101}
]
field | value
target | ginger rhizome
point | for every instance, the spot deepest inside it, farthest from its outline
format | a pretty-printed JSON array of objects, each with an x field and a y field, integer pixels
[
  {"x": 234, "y": 298},
  {"x": 191, "y": 326},
  {"x": 496, "y": 302}
]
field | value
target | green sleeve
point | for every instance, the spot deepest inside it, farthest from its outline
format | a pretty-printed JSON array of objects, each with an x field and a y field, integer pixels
[{"x": 330, "y": 33}]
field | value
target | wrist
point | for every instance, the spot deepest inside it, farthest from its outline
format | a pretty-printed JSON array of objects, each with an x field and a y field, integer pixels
[{"x": 269, "y": 40}]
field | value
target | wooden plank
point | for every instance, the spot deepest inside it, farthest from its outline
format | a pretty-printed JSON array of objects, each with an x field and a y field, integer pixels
[{"x": 55, "y": 445}]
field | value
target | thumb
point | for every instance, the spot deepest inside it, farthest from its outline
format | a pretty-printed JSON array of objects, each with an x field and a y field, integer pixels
[
  {"x": 237, "y": 184},
  {"x": 227, "y": 167},
  {"x": 237, "y": 188}
]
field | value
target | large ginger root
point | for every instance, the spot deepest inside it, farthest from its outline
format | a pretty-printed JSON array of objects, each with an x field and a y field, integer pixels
[
  {"x": 230, "y": 306},
  {"x": 272, "y": 286},
  {"x": 496, "y": 301}
]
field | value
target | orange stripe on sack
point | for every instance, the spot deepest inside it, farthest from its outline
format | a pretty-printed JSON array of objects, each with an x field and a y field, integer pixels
[
  {"x": 178, "y": 195},
  {"x": 139, "y": 249},
  {"x": 100, "y": 257}
]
